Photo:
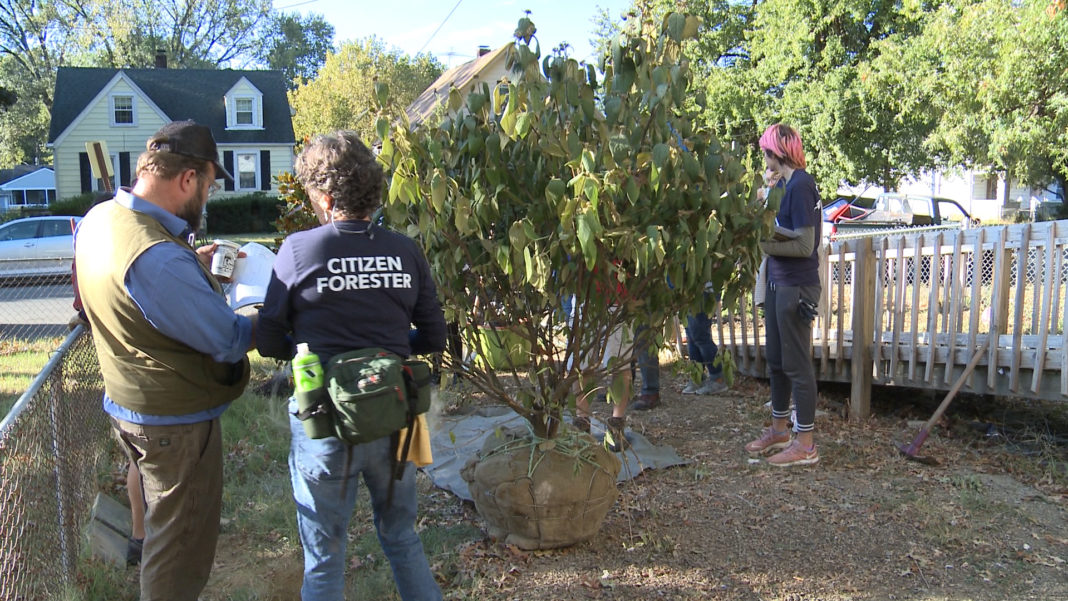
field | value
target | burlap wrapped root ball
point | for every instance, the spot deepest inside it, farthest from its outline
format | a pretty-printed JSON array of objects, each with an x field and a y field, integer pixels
[{"x": 542, "y": 494}]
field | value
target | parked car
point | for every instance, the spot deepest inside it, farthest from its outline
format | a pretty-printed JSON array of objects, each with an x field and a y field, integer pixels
[
  {"x": 37, "y": 246},
  {"x": 889, "y": 211},
  {"x": 848, "y": 207}
]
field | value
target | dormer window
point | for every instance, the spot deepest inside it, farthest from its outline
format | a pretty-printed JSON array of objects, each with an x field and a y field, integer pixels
[
  {"x": 244, "y": 106},
  {"x": 244, "y": 111},
  {"x": 122, "y": 110}
]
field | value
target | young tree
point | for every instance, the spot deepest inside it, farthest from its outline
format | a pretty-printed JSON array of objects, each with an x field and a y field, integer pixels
[
  {"x": 342, "y": 95},
  {"x": 609, "y": 190}
]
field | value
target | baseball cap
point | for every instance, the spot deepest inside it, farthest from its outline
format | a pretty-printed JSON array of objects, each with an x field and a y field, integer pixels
[{"x": 190, "y": 139}]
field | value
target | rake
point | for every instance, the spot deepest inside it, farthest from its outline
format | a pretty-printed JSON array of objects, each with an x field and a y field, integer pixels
[{"x": 910, "y": 451}]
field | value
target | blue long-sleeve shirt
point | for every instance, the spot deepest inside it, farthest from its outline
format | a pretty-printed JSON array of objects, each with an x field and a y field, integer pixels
[{"x": 175, "y": 297}]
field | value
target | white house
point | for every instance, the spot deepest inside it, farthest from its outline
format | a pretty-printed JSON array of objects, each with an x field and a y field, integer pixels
[
  {"x": 248, "y": 113},
  {"x": 488, "y": 68},
  {"x": 27, "y": 186},
  {"x": 989, "y": 197}
]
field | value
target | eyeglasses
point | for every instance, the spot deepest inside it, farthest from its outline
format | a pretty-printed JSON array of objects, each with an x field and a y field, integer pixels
[{"x": 213, "y": 188}]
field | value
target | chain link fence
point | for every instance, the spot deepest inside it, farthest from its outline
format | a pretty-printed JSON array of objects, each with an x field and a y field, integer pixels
[
  {"x": 52, "y": 443},
  {"x": 36, "y": 299}
]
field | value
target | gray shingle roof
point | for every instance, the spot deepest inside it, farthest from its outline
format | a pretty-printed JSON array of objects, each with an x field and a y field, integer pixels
[
  {"x": 7, "y": 175},
  {"x": 195, "y": 94}
]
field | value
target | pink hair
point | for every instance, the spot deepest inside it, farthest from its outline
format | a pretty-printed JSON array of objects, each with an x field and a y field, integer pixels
[{"x": 785, "y": 143}]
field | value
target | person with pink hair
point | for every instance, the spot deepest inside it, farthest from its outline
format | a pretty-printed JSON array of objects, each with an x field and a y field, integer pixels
[{"x": 792, "y": 294}]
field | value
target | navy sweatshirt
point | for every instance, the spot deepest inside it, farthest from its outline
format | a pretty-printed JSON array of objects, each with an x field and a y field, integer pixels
[{"x": 349, "y": 285}]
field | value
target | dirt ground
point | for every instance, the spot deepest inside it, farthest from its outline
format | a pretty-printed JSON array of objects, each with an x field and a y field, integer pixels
[{"x": 988, "y": 523}]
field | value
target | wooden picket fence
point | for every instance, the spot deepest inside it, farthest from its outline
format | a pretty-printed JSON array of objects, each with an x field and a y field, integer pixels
[{"x": 911, "y": 307}]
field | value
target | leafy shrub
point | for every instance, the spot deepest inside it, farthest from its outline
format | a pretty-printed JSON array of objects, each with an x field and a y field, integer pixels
[
  {"x": 296, "y": 214},
  {"x": 76, "y": 206},
  {"x": 20, "y": 212},
  {"x": 254, "y": 212}
]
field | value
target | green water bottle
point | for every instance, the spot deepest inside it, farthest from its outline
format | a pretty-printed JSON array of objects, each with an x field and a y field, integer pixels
[{"x": 312, "y": 409}]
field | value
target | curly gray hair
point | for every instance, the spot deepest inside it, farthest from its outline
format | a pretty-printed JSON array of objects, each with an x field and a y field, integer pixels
[{"x": 341, "y": 165}]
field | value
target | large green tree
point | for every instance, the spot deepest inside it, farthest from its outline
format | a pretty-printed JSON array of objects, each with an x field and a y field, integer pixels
[
  {"x": 804, "y": 63},
  {"x": 342, "y": 95},
  {"x": 23, "y": 124},
  {"x": 996, "y": 74},
  {"x": 193, "y": 33},
  {"x": 38, "y": 36},
  {"x": 297, "y": 46}
]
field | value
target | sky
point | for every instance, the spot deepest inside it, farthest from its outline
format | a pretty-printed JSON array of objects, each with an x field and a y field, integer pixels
[{"x": 410, "y": 24}]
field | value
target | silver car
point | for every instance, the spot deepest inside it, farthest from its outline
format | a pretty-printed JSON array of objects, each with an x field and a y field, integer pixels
[{"x": 37, "y": 246}]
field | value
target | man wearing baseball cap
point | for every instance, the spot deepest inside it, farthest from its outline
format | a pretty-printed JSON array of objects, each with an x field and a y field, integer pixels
[{"x": 171, "y": 351}]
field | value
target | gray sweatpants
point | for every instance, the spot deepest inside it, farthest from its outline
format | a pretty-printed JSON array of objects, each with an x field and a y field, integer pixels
[{"x": 789, "y": 347}]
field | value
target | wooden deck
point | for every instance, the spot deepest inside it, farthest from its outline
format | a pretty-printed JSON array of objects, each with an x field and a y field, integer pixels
[{"x": 923, "y": 302}]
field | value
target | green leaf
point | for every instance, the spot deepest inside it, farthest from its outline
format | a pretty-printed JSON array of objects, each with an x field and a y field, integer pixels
[
  {"x": 612, "y": 107},
  {"x": 382, "y": 128},
  {"x": 395, "y": 184},
  {"x": 661, "y": 152},
  {"x": 676, "y": 25},
  {"x": 691, "y": 167},
  {"x": 381, "y": 93},
  {"x": 523, "y": 124},
  {"x": 587, "y": 239},
  {"x": 456, "y": 100},
  {"x": 588, "y": 162},
  {"x": 510, "y": 116},
  {"x": 475, "y": 102},
  {"x": 437, "y": 192},
  {"x": 517, "y": 235},
  {"x": 462, "y": 216},
  {"x": 632, "y": 189},
  {"x": 555, "y": 189},
  {"x": 528, "y": 262}
]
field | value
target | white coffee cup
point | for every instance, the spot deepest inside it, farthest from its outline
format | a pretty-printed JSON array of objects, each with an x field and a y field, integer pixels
[{"x": 225, "y": 258}]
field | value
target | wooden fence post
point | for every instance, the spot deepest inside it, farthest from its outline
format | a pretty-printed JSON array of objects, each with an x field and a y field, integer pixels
[{"x": 863, "y": 330}]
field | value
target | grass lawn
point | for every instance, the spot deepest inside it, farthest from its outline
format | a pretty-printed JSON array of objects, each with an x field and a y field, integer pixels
[{"x": 20, "y": 362}]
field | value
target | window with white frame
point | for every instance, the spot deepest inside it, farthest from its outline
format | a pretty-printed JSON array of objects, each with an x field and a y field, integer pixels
[
  {"x": 244, "y": 111},
  {"x": 247, "y": 176},
  {"x": 122, "y": 109},
  {"x": 30, "y": 198}
]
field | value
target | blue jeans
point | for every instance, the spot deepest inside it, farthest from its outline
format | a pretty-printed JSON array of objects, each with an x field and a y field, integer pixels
[
  {"x": 699, "y": 341},
  {"x": 648, "y": 361},
  {"x": 317, "y": 471}
]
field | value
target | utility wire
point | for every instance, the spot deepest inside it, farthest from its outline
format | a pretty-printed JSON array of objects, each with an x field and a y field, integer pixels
[
  {"x": 296, "y": 4},
  {"x": 425, "y": 44}
]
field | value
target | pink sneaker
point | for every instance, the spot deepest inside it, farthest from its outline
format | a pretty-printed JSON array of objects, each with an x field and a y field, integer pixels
[
  {"x": 769, "y": 440},
  {"x": 795, "y": 454}
]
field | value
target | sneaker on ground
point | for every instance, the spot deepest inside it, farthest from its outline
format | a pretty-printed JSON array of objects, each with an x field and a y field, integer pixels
[
  {"x": 795, "y": 454},
  {"x": 711, "y": 387},
  {"x": 614, "y": 438},
  {"x": 769, "y": 440},
  {"x": 692, "y": 387},
  {"x": 647, "y": 401}
]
